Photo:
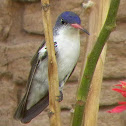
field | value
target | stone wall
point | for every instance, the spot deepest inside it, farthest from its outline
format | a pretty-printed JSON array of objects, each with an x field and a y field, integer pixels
[{"x": 21, "y": 33}]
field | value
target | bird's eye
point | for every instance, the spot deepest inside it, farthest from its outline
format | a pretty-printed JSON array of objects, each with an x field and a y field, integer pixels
[{"x": 63, "y": 22}]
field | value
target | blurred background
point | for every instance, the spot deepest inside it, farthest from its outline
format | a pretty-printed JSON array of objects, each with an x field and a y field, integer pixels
[{"x": 21, "y": 33}]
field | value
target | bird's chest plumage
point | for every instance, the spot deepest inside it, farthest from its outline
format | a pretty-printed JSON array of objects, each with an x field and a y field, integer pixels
[{"x": 67, "y": 50}]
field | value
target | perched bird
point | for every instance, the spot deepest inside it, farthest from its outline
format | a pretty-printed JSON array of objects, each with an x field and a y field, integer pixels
[{"x": 67, "y": 48}]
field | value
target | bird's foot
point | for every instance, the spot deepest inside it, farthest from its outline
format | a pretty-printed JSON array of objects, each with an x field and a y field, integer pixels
[{"x": 60, "y": 97}]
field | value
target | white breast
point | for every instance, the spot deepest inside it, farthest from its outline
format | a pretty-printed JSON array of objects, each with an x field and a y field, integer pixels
[{"x": 68, "y": 47}]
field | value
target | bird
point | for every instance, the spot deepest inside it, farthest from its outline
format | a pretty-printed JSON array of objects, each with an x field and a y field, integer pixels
[{"x": 66, "y": 37}]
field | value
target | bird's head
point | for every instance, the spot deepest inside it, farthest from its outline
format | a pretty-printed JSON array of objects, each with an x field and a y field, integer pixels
[{"x": 69, "y": 20}]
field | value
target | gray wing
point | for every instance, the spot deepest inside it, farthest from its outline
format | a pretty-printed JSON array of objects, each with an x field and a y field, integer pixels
[
  {"x": 35, "y": 57},
  {"x": 22, "y": 113}
]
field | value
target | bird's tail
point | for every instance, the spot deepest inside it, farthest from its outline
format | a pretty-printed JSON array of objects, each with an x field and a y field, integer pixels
[{"x": 26, "y": 116}]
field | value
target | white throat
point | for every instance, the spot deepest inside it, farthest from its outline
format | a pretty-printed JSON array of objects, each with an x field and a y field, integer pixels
[{"x": 67, "y": 36}]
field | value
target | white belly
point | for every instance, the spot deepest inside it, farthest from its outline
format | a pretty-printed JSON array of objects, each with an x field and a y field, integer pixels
[{"x": 67, "y": 59}]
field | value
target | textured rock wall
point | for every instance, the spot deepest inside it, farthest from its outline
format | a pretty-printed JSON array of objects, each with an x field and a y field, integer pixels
[{"x": 21, "y": 33}]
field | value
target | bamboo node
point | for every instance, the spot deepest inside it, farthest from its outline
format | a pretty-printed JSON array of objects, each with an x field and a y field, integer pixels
[
  {"x": 80, "y": 102},
  {"x": 45, "y": 7},
  {"x": 88, "y": 5},
  {"x": 111, "y": 27},
  {"x": 51, "y": 62}
]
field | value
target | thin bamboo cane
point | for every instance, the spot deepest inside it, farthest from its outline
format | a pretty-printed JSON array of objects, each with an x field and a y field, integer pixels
[
  {"x": 96, "y": 21},
  {"x": 52, "y": 67}
]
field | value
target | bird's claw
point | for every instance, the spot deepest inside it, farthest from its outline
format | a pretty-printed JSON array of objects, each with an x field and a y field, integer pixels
[{"x": 60, "y": 97}]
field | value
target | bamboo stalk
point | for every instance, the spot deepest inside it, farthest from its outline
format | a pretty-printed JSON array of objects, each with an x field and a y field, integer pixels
[
  {"x": 96, "y": 21},
  {"x": 52, "y": 66},
  {"x": 92, "y": 61}
]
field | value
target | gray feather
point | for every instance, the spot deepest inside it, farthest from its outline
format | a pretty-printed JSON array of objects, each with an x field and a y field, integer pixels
[
  {"x": 36, "y": 109},
  {"x": 22, "y": 113}
]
